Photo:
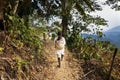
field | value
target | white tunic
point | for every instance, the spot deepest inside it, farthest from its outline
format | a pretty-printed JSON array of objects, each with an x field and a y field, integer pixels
[{"x": 60, "y": 52}]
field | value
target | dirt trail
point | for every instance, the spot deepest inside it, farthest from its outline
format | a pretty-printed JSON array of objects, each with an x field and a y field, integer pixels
[
  {"x": 69, "y": 70},
  {"x": 66, "y": 72}
]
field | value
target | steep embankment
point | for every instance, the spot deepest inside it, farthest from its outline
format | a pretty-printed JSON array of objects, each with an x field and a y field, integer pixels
[{"x": 22, "y": 64}]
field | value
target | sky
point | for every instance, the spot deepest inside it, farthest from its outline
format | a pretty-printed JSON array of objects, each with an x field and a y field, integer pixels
[{"x": 112, "y": 16}]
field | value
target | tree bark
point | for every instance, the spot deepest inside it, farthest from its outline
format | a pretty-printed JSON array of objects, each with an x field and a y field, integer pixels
[
  {"x": 64, "y": 25},
  {"x": 1, "y": 15},
  {"x": 15, "y": 7},
  {"x": 64, "y": 17},
  {"x": 111, "y": 67},
  {"x": 1, "y": 9},
  {"x": 24, "y": 9}
]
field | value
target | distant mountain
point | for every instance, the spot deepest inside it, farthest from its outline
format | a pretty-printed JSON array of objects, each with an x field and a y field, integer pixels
[
  {"x": 112, "y": 35},
  {"x": 115, "y": 29},
  {"x": 85, "y": 35}
]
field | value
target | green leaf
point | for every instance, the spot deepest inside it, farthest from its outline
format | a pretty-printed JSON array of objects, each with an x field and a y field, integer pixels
[
  {"x": 80, "y": 8},
  {"x": 1, "y": 49},
  {"x": 89, "y": 4},
  {"x": 10, "y": 17}
]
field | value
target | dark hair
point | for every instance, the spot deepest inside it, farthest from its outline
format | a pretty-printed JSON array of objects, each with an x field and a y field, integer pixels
[{"x": 59, "y": 35}]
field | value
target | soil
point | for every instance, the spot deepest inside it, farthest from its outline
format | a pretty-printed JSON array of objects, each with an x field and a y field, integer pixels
[{"x": 70, "y": 68}]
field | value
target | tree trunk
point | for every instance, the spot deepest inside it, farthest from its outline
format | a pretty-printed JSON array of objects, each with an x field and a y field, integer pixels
[
  {"x": 111, "y": 67},
  {"x": 15, "y": 7},
  {"x": 64, "y": 25},
  {"x": 64, "y": 17},
  {"x": 1, "y": 15},
  {"x": 24, "y": 9}
]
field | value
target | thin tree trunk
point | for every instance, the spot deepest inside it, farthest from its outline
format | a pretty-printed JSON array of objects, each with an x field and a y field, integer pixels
[
  {"x": 15, "y": 7},
  {"x": 1, "y": 9},
  {"x": 1, "y": 15},
  {"x": 111, "y": 67}
]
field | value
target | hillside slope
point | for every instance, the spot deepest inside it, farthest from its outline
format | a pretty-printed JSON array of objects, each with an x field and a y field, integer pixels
[{"x": 22, "y": 64}]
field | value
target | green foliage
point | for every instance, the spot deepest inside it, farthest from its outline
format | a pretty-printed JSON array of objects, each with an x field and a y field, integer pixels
[
  {"x": 114, "y": 4},
  {"x": 24, "y": 35},
  {"x": 87, "y": 48},
  {"x": 74, "y": 42},
  {"x": 97, "y": 20},
  {"x": 80, "y": 8},
  {"x": 1, "y": 49},
  {"x": 20, "y": 62}
]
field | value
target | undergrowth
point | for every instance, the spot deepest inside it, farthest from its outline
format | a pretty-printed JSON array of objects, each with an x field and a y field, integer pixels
[{"x": 21, "y": 50}]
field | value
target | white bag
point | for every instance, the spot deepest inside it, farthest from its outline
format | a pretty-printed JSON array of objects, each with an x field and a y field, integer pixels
[{"x": 59, "y": 44}]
